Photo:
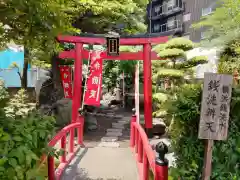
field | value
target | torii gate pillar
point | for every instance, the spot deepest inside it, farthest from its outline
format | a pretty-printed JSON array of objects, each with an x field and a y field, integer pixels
[
  {"x": 147, "y": 88},
  {"x": 146, "y": 55}
]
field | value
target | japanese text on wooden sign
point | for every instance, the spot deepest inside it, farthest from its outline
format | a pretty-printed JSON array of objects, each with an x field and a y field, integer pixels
[
  {"x": 66, "y": 76},
  {"x": 215, "y": 106},
  {"x": 94, "y": 81}
]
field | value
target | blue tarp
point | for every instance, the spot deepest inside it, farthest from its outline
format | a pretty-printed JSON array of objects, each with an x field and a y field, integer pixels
[
  {"x": 8, "y": 56},
  {"x": 10, "y": 76}
]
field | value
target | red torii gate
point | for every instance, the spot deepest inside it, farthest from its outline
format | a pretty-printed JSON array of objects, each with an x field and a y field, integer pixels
[{"x": 146, "y": 55}]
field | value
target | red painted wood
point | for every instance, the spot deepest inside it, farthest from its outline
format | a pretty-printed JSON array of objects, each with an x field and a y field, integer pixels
[
  {"x": 77, "y": 85},
  {"x": 161, "y": 172},
  {"x": 123, "y": 55},
  {"x": 71, "y": 143},
  {"x": 80, "y": 130},
  {"x": 51, "y": 170},
  {"x": 136, "y": 143},
  {"x": 147, "y": 87},
  {"x": 52, "y": 174},
  {"x": 145, "y": 167},
  {"x": 102, "y": 41},
  {"x": 63, "y": 147},
  {"x": 140, "y": 150},
  {"x": 132, "y": 133}
]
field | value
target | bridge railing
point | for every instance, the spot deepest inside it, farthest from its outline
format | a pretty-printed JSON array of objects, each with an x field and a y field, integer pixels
[
  {"x": 146, "y": 156},
  {"x": 68, "y": 152}
]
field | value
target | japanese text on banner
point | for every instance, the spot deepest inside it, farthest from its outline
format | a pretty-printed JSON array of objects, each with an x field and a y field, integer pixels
[
  {"x": 94, "y": 81},
  {"x": 66, "y": 76}
]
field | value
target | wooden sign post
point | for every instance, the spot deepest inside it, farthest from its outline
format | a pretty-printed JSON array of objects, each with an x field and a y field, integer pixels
[{"x": 214, "y": 117}]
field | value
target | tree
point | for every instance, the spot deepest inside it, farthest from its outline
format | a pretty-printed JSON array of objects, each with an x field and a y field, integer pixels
[
  {"x": 222, "y": 26},
  {"x": 125, "y": 16},
  {"x": 35, "y": 24},
  {"x": 173, "y": 71}
]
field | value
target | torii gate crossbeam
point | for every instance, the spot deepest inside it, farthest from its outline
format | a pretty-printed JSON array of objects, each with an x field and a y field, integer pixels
[{"x": 146, "y": 55}]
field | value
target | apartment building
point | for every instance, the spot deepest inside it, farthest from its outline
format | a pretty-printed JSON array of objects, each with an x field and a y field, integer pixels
[{"x": 175, "y": 17}]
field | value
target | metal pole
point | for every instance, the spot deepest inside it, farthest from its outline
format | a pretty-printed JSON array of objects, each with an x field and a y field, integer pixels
[{"x": 150, "y": 18}]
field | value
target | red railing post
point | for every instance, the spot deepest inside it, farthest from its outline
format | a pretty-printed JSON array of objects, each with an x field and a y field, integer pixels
[
  {"x": 71, "y": 143},
  {"x": 140, "y": 149},
  {"x": 132, "y": 135},
  {"x": 81, "y": 129},
  {"x": 63, "y": 147},
  {"x": 145, "y": 167},
  {"x": 136, "y": 140},
  {"x": 161, "y": 163},
  {"x": 51, "y": 168}
]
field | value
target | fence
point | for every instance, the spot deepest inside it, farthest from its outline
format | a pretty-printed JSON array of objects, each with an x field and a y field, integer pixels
[
  {"x": 145, "y": 155},
  {"x": 68, "y": 153}
]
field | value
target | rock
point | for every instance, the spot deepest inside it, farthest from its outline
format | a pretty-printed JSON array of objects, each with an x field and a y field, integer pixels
[
  {"x": 91, "y": 122},
  {"x": 92, "y": 127},
  {"x": 63, "y": 112},
  {"x": 159, "y": 127}
]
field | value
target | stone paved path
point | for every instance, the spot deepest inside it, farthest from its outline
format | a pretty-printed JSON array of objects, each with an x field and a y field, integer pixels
[{"x": 107, "y": 159}]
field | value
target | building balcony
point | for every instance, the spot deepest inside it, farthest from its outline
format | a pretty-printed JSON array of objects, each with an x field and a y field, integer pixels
[
  {"x": 166, "y": 9},
  {"x": 171, "y": 28}
]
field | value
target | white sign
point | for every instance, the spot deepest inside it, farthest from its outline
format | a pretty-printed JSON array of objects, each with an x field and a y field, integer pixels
[{"x": 215, "y": 108}]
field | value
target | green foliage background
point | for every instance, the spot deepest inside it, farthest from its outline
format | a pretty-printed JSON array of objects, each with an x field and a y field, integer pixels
[
  {"x": 189, "y": 150},
  {"x": 24, "y": 135}
]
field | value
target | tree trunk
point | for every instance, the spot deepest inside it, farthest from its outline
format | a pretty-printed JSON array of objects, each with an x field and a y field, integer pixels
[
  {"x": 56, "y": 78},
  {"x": 24, "y": 78}
]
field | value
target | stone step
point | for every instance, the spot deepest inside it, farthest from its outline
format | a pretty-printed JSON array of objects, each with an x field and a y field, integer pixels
[
  {"x": 118, "y": 126},
  {"x": 123, "y": 122},
  {"x": 109, "y": 144},
  {"x": 109, "y": 139},
  {"x": 114, "y": 130},
  {"x": 114, "y": 134},
  {"x": 118, "y": 116}
]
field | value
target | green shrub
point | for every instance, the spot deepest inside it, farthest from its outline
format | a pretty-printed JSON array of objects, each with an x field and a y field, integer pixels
[
  {"x": 189, "y": 150},
  {"x": 23, "y": 138},
  {"x": 22, "y": 143},
  {"x": 18, "y": 106}
]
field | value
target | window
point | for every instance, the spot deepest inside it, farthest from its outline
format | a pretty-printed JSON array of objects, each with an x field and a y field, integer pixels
[
  {"x": 202, "y": 35},
  {"x": 186, "y": 37},
  {"x": 206, "y": 11},
  {"x": 156, "y": 27},
  {"x": 157, "y": 9},
  {"x": 171, "y": 22},
  {"x": 187, "y": 17},
  {"x": 170, "y": 4}
]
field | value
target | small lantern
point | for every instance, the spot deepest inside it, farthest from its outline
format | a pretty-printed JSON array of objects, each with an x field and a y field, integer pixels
[{"x": 112, "y": 39}]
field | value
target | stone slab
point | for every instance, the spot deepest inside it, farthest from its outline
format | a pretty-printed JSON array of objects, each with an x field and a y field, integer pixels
[
  {"x": 114, "y": 130},
  {"x": 123, "y": 122},
  {"x": 118, "y": 126},
  {"x": 118, "y": 116},
  {"x": 109, "y": 139},
  {"x": 109, "y": 144},
  {"x": 114, "y": 134},
  {"x": 103, "y": 164}
]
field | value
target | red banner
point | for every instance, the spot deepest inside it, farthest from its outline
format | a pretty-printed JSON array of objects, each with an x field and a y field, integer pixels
[
  {"x": 66, "y": 75},
  {"x": 94, "y": 81}
]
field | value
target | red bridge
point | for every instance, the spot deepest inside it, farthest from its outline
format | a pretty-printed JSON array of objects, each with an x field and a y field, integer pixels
[{"x": 110, "y": 163}]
